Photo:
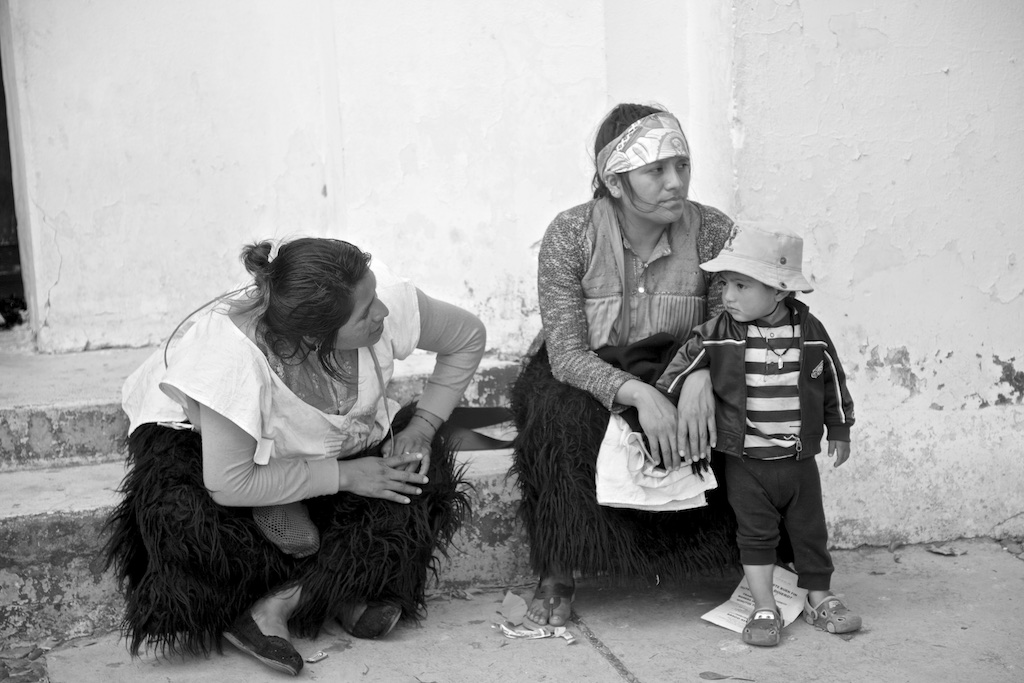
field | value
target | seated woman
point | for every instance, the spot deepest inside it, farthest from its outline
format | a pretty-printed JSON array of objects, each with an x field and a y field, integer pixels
[
  {"x": 614, "y": 271},
  {"x": 273, "y": 485}
]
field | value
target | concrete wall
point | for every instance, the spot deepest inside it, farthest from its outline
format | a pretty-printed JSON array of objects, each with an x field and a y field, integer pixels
[
  {"x": 679, "y": 55},
  {"x": 891, "y": 137},
  {"x": 153, "y": 139}
]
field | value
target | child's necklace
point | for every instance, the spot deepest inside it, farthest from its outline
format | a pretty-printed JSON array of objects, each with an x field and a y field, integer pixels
[{"x": 768, "y": 345}]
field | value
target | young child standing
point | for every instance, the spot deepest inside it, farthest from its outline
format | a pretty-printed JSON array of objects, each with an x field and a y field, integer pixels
[{"x": 778, "y": 386}]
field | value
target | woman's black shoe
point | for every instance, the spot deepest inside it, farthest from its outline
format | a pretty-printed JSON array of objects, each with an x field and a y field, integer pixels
[{"x": 275, "y": 652}]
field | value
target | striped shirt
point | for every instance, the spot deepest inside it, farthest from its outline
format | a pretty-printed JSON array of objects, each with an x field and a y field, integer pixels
[{"x": 772, "y": 368}]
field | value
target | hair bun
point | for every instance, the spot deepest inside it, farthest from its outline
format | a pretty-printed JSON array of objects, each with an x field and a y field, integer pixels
[{"x": 256, "y": 259}]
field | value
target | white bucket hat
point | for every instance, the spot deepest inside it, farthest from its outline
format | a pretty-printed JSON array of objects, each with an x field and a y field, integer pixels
[{"x": 769, "y": 255}]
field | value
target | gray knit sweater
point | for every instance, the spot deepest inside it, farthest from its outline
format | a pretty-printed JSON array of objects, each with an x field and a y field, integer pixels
[{"x": 566, "y": 255}]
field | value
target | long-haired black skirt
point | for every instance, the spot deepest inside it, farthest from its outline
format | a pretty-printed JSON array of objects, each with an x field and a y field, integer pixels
[
  {"x": 560, "y": 431},
  {"x": 188, "y": 566}
]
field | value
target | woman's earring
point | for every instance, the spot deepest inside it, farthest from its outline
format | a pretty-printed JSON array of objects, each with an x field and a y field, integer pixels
[{"x": 613, "y": 188}]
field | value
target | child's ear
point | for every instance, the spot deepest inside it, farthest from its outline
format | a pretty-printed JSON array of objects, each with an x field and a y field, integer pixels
[{"x": 780, "y": 294}]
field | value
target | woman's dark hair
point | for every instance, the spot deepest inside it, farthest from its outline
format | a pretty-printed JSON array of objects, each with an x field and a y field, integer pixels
[
  {"x": 613, "y": 125},
  {"x": 303, "y": 294}
]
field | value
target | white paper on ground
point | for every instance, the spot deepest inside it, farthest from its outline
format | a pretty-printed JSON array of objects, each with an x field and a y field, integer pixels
[{"x": 733, "y": 613}]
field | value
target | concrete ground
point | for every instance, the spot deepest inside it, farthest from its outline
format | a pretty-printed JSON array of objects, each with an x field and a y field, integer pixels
[{"x": 928, "y": 616}]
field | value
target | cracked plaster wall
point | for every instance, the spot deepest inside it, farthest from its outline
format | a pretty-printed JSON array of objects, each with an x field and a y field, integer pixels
[
  {"x": 891, "y": 138},
  {"x": 442, "y": 137}
]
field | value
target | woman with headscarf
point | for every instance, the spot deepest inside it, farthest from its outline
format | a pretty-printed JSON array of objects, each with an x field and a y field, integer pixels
[{"x": 615, "y": 272}]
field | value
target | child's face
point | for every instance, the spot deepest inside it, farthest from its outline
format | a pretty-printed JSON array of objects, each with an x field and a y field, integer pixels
[{"x": 746, "y": 299}]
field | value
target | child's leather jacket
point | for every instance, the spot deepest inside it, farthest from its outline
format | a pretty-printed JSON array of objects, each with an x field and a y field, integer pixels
[{"x": 720, "y": 343}]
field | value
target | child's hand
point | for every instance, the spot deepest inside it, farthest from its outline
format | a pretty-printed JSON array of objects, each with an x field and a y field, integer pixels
[{"x": 840, "y": 449}]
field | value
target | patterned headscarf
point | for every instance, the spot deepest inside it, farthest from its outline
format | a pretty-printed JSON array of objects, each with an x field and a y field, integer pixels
[{"x": 652, "y": 138}]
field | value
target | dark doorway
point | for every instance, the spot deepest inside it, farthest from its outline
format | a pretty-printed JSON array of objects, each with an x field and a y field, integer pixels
[{"x": 12, "y": 288}]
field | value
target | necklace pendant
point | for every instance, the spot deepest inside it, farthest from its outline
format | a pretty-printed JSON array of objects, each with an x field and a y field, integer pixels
[{"x": 780, "y": 362}]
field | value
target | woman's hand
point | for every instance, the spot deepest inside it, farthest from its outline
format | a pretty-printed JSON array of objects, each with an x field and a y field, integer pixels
[
  {"x": 698, "y": 433},
  {"x": 384, "y": 478},
  {"x": 657, "y": 419},
  {"x": 414, "y": 439}
]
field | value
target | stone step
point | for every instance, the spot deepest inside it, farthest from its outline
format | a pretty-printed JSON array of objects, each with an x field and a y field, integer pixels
[
  {"x": 65, "y": 410},
  {"x": 52, "y": 582},
  {"x": 62, "y": 437}
]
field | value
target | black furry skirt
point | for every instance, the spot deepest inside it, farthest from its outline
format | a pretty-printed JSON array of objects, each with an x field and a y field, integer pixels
[
  {"x": 560, "y": 431},
  {"x": 188, "y": 566}
]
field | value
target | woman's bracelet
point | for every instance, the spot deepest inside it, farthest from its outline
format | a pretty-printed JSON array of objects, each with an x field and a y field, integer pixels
[{"x": 423, "y": 417}]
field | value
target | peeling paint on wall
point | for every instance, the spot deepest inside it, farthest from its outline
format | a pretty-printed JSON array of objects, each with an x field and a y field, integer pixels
[
  {"x": 900, "y": 372},
  {"x": 1013, "y": 378}
]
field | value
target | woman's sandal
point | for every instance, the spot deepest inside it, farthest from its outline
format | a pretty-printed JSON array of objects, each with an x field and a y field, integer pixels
[
  {"x": 274, "y": 651},
  {"x": 832, "y": 615},
  {"x": 553, "y": 594},
  {"x": 375, "y": 620},
  {"x": 763, "y": 628}
]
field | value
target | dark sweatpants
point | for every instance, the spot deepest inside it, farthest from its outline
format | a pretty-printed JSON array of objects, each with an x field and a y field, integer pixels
[{"x": 764, "y": 493}]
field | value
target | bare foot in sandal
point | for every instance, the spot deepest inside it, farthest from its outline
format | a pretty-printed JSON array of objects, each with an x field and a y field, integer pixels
[
  {"x": 271, "y": 612},
  {"x": 552, "y": 601}
]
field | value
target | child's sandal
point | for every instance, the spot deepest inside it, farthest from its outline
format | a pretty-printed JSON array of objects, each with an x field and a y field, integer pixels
[
  {"x": 763, "y": 628},
  {"x": 832, "y": 615}
]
